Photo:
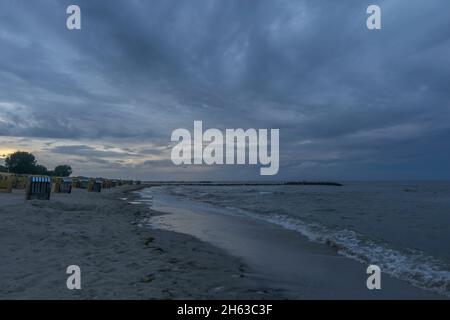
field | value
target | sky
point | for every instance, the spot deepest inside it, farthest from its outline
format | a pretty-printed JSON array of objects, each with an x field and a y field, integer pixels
[{"x": 350, "y": 103}]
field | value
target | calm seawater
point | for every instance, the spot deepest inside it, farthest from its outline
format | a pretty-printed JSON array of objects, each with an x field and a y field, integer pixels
[{"x": 404, "y": 227}]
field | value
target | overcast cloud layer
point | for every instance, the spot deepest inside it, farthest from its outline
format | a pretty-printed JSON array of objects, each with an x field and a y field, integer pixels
[{"x": 350, "y": 103}]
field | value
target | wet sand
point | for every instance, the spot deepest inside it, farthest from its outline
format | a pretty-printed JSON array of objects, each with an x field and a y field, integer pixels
[
  {"x": 283, "y": 259},
  {"x": 119, "y": 259},
  {"x": 191, "y": 255}
]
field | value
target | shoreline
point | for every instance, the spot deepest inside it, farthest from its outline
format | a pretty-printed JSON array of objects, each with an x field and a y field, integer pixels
[
  {"x": 288, "y": 260},
  {"x": 122, "y": 258},
  {"x": 118, "y": 258}
]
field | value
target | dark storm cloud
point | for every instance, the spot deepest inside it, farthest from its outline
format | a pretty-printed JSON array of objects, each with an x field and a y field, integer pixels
[{"x": 137, "y": 70}]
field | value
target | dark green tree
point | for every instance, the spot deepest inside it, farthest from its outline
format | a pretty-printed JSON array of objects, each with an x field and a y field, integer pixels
[
  {"x": 21, "y": 162},
  {"x": 3, "y": 168},
  {"x": 41, "y": 170},
  {"x": 62, "y": 171}
]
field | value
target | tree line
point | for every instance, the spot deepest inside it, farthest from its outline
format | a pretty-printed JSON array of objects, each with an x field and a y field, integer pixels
[{"x": 22, "y": 162}]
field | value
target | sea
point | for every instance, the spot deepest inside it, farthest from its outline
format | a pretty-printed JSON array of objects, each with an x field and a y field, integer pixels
[{"x": 403, "y": 227}]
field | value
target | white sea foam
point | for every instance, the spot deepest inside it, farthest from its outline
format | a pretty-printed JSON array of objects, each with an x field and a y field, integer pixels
[{"x": 414, "y": 266}]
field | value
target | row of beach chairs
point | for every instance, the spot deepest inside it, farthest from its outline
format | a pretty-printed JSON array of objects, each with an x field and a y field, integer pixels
[{"x": 40, "y": 187}]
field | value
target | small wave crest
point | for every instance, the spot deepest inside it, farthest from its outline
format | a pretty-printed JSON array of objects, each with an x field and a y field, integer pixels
[{"x": 413, "y": 266}]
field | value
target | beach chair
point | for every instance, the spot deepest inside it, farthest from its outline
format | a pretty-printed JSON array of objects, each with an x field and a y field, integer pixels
[
  {"x": 20, "y": 182},
  {"x": 106, "y": 184},
  {"x": 38, "y": 187},
  {"x": 83, "y": 183},
  {"x": 6, "y": 183},
  {"x": 95, "y": 185},
  {"x": 63, "y": 185}
]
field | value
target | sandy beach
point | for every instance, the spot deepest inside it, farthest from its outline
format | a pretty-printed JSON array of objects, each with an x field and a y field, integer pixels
[
  {"x": 118, "y": 258},
  {"x": 224, "y": 150},
  {"x": 128, "y": 251}
]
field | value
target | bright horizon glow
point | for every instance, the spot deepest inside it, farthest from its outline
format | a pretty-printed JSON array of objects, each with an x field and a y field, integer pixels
[{"x": 4, "y": 152}]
